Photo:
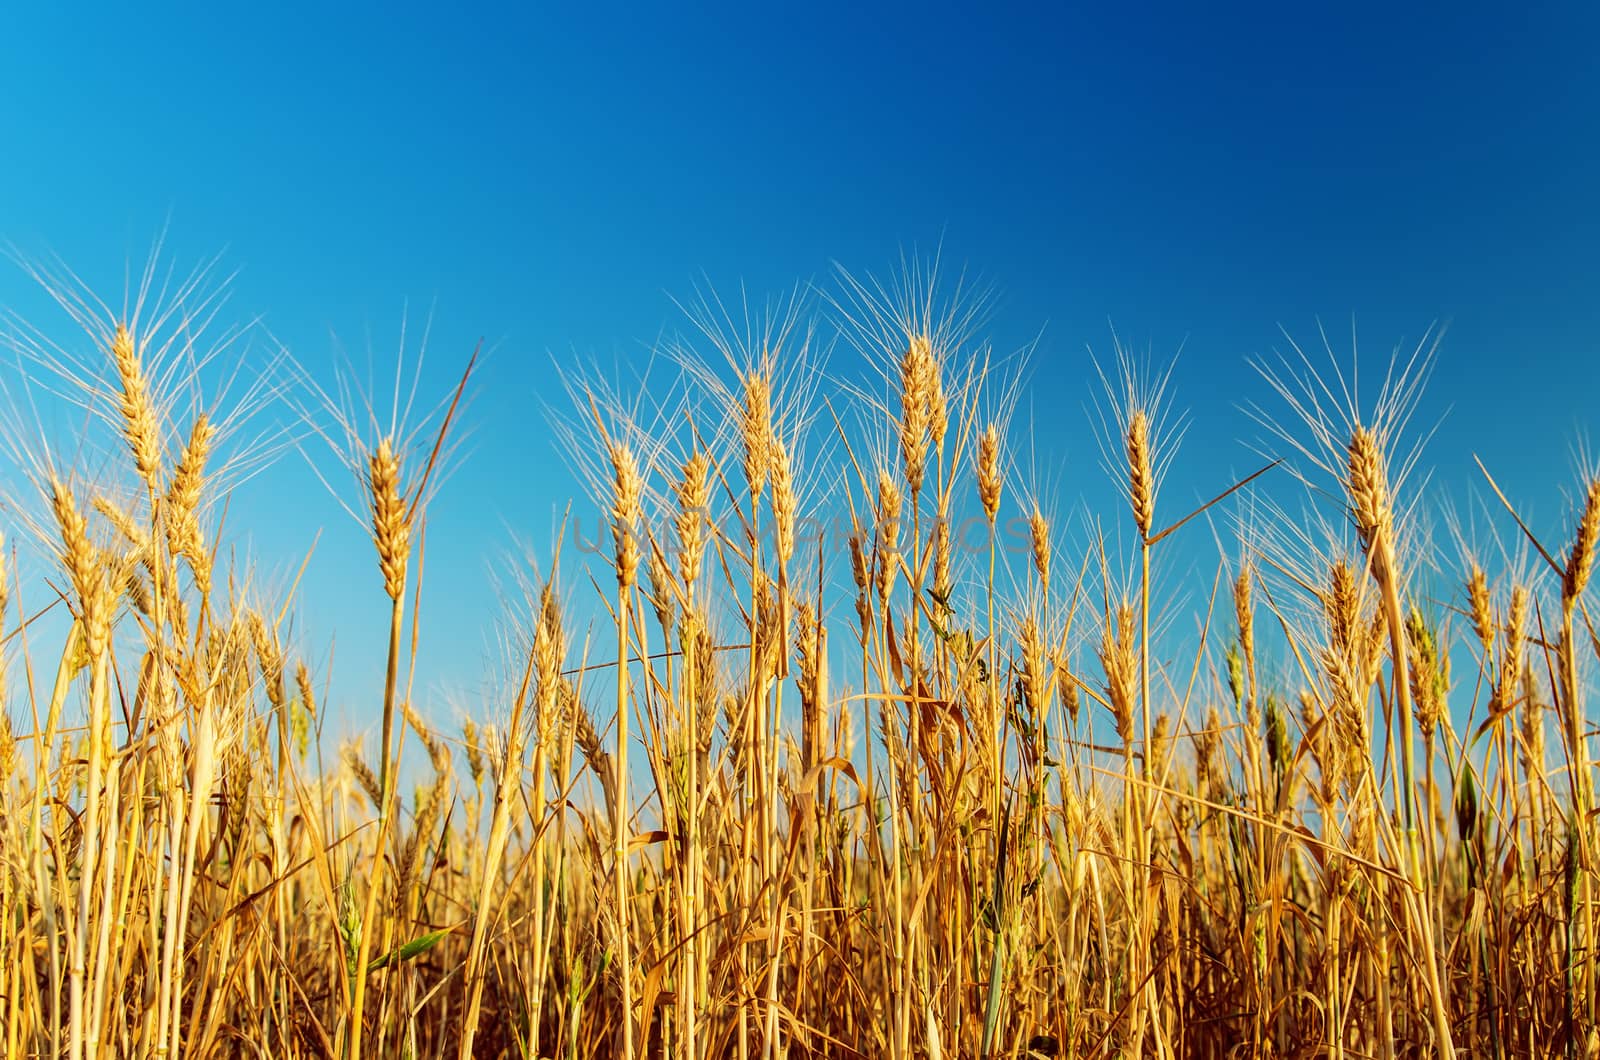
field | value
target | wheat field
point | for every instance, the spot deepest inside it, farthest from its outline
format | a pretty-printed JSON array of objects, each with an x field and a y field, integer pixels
[{"x": 894, "y": 767}]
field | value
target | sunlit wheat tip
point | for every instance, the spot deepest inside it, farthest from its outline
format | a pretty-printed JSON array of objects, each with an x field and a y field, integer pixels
[
  {"x": 662, "y": 592},
  {"x": 1580, "y": 562},
  {"x": 140, "y": 425},
  {"x": 269, "y": 658},
  {"x": 917, "y": 372},
  {"x": 989, "y": 483},
  {"x": 303, "y": 687},
  {"x": 888, "y": 541},
  {"x": 784, "y": 502},
  {"x": 391, "y": 527},
  {"x": 184, "y": 492},
  {"x": 595, "y": 754},
  {"x": 475, "y": 757},
  {"x": 1342, "y": 608},
  {"x": 888, "y": 512},
  {"x": 1035, "y": 682},
  {"x": 362, "y": 774},
  {"x": 1482, "y": 614},
  {"x": 1160, "y": 747},
  {"x": 1377, "y": 645},
  {"x": 1508, "y": 687},
  {"x": 1206, "y": 742},
  {"x": 771, "y": 632},
  {"x": 942, "y": 585},
  {"x": 1368, "y": 485},
  {"x": 756, "y": 430},
  {"x": 1141, "y": 476},
  {"x": 1244, "y": 609},
  {"x": 137, "y": 590},
  {"x": 1429, "y": 671},
  {"x": 693, "y": 490},
  {"x": 1071, "y": 695},
  {"x": 1119, "y": 660},
  {"x": 858, "y": 563},
  {"x": 84, "y": 569},
  {"x": 938, "y": 405},
  {"x": 1039, "y": 537},
  {"x": 808, "y": 660},
  {"x": 125, "y": 525},
  {"x": 627, "y": 492}
]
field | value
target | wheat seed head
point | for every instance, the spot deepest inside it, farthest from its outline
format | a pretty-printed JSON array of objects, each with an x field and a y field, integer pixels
[
  {"x": 1039, "y": 540},
  {"x": 1352, "y": 439},
  {"x": 942, "y": 555},
  {"x": 989, "y": 480},
  {"x": 1138, "y": 433},
  {"x": 1481, "y": 610},
  {"x": 693, "y": 492},
  {"x": 918, "y": 379},
  {"x": 140, "y": 425},
  {"x": 1119, "y": 660},
  {"x": 1071, "y": 694},
  {"x": 1035, "y": 681},
  {"x": 784, "y": 502},
  {"x": 626, "y": 511},
  {"x": 184, "y": 492},
  {"x": 1580, "y": 561},
  {"x": 663, "y": 587},
  {"x": 391, "y": 523},
  {"x": 1141, "y": 479},
  {"x": 1244, "y": 607},
  {"x": 756, "y": 431},
  {"x": 549, "y": 648},
  {"x": 1429, "y": 672},
  {"x": 1367, "y": 483},
  {"x": 81, "y": 559},
  {"x": 1516, "y": 631}
]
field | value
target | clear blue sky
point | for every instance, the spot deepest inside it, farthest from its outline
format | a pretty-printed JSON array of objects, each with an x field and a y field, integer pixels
[{"x": 1194, "y": 174}]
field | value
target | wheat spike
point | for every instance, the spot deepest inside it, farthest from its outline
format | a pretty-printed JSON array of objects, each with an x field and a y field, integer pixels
[
  {"x": 1482, "y": 614},
  {"x": 917, "y": 382},
  {"x": 1035, "y": 682},
  {"x": 693, "y": 491},
  {"x": 662, "y": 592},
  {"x": 594, "y": 753},
  {"x": 942, "y": 584},
  {"x": 1071, "y": 694},
  {"x": 1368, "y": 485},
  {"x": 1039, "y": 537},
  {"x": 84, "y": 569},
  {"x": 1429, "y": 672},
  {"x": 784, "y": 503},
  {"x": 139, "y": 421},
  {"x": 1580, "y": 561},
  {"x": 549, "y": 647},
  {"x": 1119, "y": 660},
  {"x": 1141, "y": 476},
  {"x": 756, "y": 431},
  {"x": 989, "y": 482},
  {"x": 391, "y": 524},
  {"x": 888, "y": 542},
  {"x": 1508, "y": 687},
  {"x": 474, "y": 744},
  {"x": 627, "y": 493},
  {"x": 183, "y": 501}
]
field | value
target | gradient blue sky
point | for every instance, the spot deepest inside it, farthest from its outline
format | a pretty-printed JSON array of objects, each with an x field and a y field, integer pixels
[{"x": 549, "y": 178}]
